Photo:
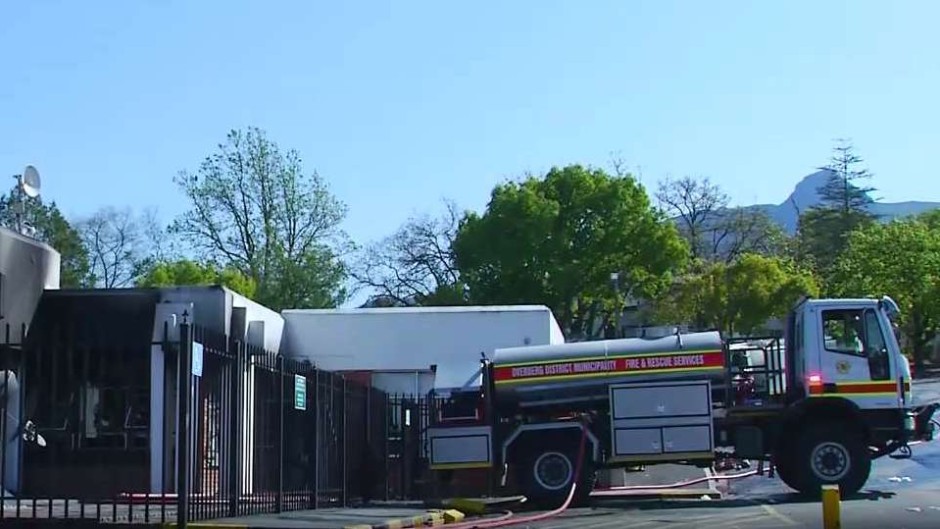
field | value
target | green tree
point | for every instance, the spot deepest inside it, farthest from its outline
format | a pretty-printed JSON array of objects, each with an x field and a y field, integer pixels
[
  {"x": 253, "y": 209},
  {"x": 52, "y": 228},
  {"x": 824, "y": 229},
  {"x": 187, "y": 272},
  {"x": 557, "y": 240},
  {"x": 737, "y": 298},
  {"x": 931, "y": 219},
  {"x": 900, "y": 259},
  {"x": 842, "y": 191}
]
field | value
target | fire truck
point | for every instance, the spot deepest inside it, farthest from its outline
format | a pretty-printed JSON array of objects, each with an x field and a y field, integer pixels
[{"x": 816, "y": 405}]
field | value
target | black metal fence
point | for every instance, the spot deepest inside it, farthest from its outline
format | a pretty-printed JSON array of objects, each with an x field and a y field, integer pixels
[{"x": 95, "y": 423}]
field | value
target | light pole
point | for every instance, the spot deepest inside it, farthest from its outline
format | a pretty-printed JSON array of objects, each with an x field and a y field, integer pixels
[{"x": 615, "y": 282}]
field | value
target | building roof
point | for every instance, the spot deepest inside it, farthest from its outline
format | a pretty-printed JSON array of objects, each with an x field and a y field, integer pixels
[{"x": 413, "y": 310}]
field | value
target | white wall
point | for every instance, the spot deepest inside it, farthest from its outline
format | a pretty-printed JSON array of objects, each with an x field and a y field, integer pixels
[
  {"x": 403, "y": 382},
  {"x": 388, "y": 339},
  {"x": 213, "y": 307},
  {"x": 27, "y": 267},
  {"x": 208, "y": 305},
  {"x": 265, "y": 327}
]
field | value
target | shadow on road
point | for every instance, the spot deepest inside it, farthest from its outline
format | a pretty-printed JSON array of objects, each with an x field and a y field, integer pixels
[{"x": 731, "y": 503}]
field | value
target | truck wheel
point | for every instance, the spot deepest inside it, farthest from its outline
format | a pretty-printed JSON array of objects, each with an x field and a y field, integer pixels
[
  {"x": 550, "y": 473},
  {"x": 831, "y": 456},
  {"x": 785, "y": 467}
]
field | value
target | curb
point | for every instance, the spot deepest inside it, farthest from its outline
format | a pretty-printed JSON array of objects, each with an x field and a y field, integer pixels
[
  {"x": 204, "y": 525},
  {"x": 666, "y": 494},
  {"x": 430, "y": 519}
]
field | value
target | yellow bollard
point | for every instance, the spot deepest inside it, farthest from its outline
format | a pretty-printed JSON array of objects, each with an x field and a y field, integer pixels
[{"x": 831, "y": 507}]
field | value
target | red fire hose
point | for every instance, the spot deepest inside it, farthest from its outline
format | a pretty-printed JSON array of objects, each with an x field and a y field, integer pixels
[{"x": 507, "y": 519}]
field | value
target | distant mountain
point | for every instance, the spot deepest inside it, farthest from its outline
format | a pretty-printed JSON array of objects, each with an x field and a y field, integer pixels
[{"x": 806, "y": 195}]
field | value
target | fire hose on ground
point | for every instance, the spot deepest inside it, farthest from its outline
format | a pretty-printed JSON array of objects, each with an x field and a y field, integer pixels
[{"x": 507, "y": 519}]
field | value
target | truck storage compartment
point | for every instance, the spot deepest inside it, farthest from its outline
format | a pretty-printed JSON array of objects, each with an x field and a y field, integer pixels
[
  {"x": 460, "y": 447},
  {"x": 676, "y": 400},
  {"x": 661, "y": 420}
]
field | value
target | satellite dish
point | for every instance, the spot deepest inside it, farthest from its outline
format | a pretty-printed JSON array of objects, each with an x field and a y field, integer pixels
[{"x": 29, "y": 182}]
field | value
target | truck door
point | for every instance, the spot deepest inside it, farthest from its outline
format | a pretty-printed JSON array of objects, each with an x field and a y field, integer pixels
[{"x": 855, "y": 359}]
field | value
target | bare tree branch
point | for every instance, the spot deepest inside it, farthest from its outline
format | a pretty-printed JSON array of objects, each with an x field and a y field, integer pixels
[
  {"x": 116, "y": 246},
  {"x": 696, "y": 205},
  {"x": 415, "y": 262},
  {"x": 714, "y": 230}
]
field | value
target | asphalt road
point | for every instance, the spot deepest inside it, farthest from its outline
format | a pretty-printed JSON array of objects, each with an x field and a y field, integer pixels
[
  {"x": 900, "y": 494},
  {"x": 909, "y": 509},
  {"x": 926, "y": 391}
]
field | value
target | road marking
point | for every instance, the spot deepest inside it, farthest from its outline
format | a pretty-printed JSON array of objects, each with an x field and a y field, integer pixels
[
  {"x": 779, "y": 515},
  {"x": 626, "y": 525},
  {"x": 631, "y": 520},
  {"x": 750, "y": 521},
  {"x": 614, "y": 520},
  {"x": 717, "y": 520},
  {"x": 765, "y": 517}
]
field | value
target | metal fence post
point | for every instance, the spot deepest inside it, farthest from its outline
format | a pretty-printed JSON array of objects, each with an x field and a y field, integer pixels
[
  {"x": 316, "y": 438},
  {"x": 186, "y": 375},
  {"x": 237, "y": 436},
  {"x": 385, "y": 435},
  {"x": 345, "y": 444},
  {"x": 280, "y": 435}
]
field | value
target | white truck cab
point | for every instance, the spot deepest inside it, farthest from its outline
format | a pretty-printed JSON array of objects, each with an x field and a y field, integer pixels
[
  {"x": 851, "y": 401},
  {"x": 848, "y": 347}
]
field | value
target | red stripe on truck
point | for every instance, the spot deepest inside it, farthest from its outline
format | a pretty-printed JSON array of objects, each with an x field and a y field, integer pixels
[
  {"x": 857, "y": 388},
  {"x": 666, "y": 362}
]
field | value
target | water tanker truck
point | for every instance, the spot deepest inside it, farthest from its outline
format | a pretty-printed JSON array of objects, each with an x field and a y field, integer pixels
[{"x": 817, "y": 405}]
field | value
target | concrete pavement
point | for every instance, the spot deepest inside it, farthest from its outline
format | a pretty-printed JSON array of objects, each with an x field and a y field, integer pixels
[{"x": 365, "y": 517}]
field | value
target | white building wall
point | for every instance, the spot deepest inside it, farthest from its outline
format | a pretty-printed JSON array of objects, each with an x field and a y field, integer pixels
[
  {"x": 27, "y": 267},
  {"x": 394, "y": 339},
  {"x": 403, "y": 383},
  {"x": 265, "y": 327}
]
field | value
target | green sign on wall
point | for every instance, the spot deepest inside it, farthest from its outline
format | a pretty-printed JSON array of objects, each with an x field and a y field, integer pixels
[{"x": 300, "y": 392}]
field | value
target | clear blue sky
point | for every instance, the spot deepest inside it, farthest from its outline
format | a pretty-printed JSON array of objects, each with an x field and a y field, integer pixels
[{"x": 399, "y": 104}]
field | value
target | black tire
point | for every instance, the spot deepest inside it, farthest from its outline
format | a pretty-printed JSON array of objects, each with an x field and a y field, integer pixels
[
  {"x": 548, "y": 474},
  {"x": 829, "y": 455},
  {"x": 785, "y": 467}
]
